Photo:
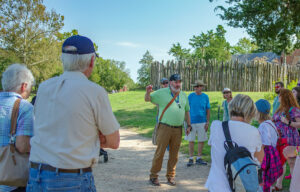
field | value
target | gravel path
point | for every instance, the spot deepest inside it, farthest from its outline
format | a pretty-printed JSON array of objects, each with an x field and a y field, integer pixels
[{"x": 128, "y": 169}]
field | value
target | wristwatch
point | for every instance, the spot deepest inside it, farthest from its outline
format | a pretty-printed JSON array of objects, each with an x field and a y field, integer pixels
[{"x": 190, "y": 126}]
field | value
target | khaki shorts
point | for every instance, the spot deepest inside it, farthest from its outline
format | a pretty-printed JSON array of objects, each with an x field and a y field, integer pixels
[{"x": 197, "y": 129}]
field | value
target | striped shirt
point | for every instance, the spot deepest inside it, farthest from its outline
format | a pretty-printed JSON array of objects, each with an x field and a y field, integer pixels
[{"x": 24, "y": 121}]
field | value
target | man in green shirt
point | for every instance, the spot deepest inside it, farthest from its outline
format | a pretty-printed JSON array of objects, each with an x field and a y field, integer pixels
[
  {"x": 278, "y": 86},
  {"x": 169, "y": 131}
]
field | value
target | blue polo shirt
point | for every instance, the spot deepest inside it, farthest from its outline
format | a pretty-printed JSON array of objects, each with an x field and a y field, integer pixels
[{"x": 198, "y": 106}]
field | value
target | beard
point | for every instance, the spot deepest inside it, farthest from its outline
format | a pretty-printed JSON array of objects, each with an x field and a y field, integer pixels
[
  {"x": 174, "y": 89},
  {"x": 277, "y": 92}
]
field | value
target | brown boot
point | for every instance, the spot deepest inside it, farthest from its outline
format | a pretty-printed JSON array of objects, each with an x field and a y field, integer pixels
[
  {"x": 154, "y": 181},
  {"x": 171, "y": 181}
]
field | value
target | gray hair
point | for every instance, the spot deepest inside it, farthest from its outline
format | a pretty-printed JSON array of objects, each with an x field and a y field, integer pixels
[
  {"x": 14, "y": 76},
  {"x": 75, "y": 62},
  {"x": 242, "y": 106}
]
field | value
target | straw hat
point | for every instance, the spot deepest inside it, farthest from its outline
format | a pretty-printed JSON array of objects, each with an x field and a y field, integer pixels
[{"x": 198, "y": 83}]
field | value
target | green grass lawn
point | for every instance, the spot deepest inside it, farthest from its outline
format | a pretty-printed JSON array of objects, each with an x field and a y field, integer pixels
[{"x": 134, "y": 113}]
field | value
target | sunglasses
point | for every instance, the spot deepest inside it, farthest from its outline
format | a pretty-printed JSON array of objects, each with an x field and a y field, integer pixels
[
  {"x": 226, "y": 92},
  {"x": 166, "y": 82},
  {"x": 198, "y": 86}
]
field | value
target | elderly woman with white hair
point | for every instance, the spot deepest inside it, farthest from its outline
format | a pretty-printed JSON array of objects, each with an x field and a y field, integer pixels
[
  {"x": 17, "y": 82},
  {"x": 242, "y": 110}
]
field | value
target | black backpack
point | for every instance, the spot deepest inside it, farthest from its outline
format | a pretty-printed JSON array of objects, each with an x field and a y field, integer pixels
[{"x": 239, "y": 165}]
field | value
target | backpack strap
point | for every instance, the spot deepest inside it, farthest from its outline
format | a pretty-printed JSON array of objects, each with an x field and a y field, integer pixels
[{"x": 227, "y": 134}]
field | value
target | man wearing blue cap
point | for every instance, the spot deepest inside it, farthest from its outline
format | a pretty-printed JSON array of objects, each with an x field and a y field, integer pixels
[
  {"x": 173, "y": 109},
  {"x": 71, "y": 113},
  {"x": 164, "y": 82}
]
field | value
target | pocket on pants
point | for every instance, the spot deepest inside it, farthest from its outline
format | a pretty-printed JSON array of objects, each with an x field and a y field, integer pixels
[{"x": 64, "y": 185}]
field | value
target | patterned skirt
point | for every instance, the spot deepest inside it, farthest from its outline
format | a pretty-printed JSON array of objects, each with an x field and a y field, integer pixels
[{"x": 272, "y": 167}]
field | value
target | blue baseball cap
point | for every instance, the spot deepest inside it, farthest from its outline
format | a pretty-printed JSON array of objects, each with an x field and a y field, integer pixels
[
  {"x": 263, "y": 106},
  {"x": 78, "y": 45},
  {"x": 163, "y": 80},
  {"x": 175, "y": 77}
]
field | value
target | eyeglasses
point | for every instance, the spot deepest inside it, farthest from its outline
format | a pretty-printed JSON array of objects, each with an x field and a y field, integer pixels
[
  {"x": 226, "y": 92},
  {"x": 166, "y": 82}
]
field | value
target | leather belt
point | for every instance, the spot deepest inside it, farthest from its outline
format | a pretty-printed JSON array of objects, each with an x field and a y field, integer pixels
[
  {"x": 171, "y": 126},
  {"x": 53, "y": 169}
]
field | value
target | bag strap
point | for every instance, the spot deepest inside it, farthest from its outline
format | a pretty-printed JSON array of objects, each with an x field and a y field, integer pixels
[
  {"x": 279, "y": 135},
  {"x": 13, "y": 127},
  {"x": 14, "y": 117},
  {"x": 162, "y": 114},
  {"x": 227, "y": 134}
]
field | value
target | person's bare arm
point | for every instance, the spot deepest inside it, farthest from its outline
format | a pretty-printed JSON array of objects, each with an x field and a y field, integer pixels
[
  {"x": 188, "y": 121},
  {"x": 293, "y": 124},
  {"x": 110, "y": 141},
  {"x": 260, "y": 154},
  {"x": 23, "y": 144},
  {"x": 207, "y": 117},
  {"x": 148, "y": 91}
]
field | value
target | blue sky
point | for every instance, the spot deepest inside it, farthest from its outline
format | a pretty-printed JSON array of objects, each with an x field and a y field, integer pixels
[{"x": 125, "y": 29}]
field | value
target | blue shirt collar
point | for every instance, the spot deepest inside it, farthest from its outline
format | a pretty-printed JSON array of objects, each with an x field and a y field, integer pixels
[{"x": 10, "y": 94}]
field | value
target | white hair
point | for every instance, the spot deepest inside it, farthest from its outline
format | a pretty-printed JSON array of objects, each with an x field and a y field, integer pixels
[
  {"x": 75, "y": 62},
  {"x": 14, "y": 76}
]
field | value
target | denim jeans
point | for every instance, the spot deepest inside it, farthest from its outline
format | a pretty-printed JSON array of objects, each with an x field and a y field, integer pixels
[{"x": 47, "y": 181}]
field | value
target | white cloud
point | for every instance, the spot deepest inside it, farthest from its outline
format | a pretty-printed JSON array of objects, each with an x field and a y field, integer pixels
[{"x": 128, "y": 44}]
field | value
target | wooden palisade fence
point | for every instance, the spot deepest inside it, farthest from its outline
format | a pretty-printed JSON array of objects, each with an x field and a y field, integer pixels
[{"x": 252, "y": 76}]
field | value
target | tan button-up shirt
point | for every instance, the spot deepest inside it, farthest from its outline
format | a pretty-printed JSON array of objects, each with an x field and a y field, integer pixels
[{"x": 69, "y": 111}]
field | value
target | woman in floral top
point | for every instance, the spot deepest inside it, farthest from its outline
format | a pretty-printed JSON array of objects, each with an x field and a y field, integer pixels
[{"x": 287, "y": 121}]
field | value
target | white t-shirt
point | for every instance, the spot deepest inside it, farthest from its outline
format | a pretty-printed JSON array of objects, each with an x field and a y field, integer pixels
[
  {"x": 69, "y": 110},
  {"x": 268, "y": 133},
  {"x": 241, "y": 133}
]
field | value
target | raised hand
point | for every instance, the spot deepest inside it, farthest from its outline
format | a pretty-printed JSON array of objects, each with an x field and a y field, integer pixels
[{"x": 149, "y": 88}]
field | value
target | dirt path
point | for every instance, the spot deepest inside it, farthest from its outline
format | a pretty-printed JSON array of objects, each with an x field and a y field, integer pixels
[{"x": 128, "y": 169}]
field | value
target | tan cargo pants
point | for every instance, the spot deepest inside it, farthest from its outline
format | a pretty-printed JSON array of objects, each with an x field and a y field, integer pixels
[{"x": 166, "y": 136}]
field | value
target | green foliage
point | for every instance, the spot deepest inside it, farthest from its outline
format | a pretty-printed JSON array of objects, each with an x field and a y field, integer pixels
[
  {"x": 30, "y": 35},
  {"x": 144, "y": 70},
  {"x": 211, "y": 45},
  {"x": 244, "y": 46},
  {"x": 6, "y": 58},
  {"x": 270, "y": 96},
  {"x": 28, "y": 32},
  {"x": 273, "y": 24},
  {"x": 292, "y": 84},
  {"x": 112, "y": 75},
  {"x": 178, "y": 52}
]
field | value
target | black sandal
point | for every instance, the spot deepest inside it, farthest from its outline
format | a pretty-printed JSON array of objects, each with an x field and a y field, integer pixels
[
  {"x": 154, "y": 181},
  {"x": 171, "y": 181}
]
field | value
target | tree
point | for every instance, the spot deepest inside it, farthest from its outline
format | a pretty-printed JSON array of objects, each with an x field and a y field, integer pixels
[
  {"x": 178, "y": 52},
  {"x": 111, "y": 74},
  {"x": 244, "y": 46},
  {"x": 274, "y": 24},
  {"x": 29, "y": 31},
  {"x": 144, "y": 70},
  {"x": 211, "y": 45}
]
